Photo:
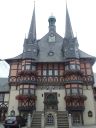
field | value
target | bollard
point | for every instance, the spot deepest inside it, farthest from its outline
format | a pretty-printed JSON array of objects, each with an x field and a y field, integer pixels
[
  {"x": 70, "y": 121},
  {"x": 55, "y": 120},
  {"x": 29, "y": 121},
  {"x": 42, "y": 121}
]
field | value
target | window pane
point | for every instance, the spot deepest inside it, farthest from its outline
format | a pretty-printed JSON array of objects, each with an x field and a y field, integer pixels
[
  {"x": 33, "y": 67},
  {"x": 50, "y": 72},
  {"x": 28, "y": 67},
  {"x": 74, "y": 91},
  {"x": 68, "y": 91},
  {"x": 31, "y": 91},
  {"x": 44, "y": 72},
  {"x": 25, "y": 91},
  {"x": 20, "y": 91},
  {"x": 55, "y": 72},
  {"x": 72, "y": 66}
]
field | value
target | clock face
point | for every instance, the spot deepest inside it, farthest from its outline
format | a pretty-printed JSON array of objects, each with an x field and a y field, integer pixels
[{"x": 51, "y": 38}]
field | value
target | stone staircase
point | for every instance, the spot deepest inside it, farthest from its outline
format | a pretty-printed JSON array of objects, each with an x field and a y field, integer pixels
[
  {"x": 62, "y": 119},
  {"x": 36, "y": 120}
]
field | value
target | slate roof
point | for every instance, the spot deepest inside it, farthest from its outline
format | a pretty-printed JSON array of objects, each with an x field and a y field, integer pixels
[
  {"x": 4, "y": 87},
  {"x": 46, "y": 51},
  {"x": 55, "y": 47}
]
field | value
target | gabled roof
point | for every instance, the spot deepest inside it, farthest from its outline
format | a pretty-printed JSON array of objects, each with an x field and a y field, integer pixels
[{"x": 4, "y": 86}]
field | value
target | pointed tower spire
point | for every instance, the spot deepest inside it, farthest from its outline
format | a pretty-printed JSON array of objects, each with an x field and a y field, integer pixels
[
  {"x": 32, "y": 30},
  {"x": 68, "y": 27}
]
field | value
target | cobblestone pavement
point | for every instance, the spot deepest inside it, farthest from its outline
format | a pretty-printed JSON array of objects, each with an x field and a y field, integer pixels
[{"x": 91, "y": 126}]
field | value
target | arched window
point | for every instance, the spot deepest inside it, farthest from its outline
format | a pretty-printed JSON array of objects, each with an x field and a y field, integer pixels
[{"x": 50, "y": 119}]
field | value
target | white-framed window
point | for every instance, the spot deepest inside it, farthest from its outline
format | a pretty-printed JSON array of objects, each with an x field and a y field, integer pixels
[{"x": 50, "y": 72}]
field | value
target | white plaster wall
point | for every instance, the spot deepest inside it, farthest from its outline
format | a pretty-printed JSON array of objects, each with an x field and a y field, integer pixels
[
  {"x": 61, "y": 100},
  {"x": 89, "y": 106},
  {"x": 13, "y": 103},
  {"x": 40, "y": 99}
]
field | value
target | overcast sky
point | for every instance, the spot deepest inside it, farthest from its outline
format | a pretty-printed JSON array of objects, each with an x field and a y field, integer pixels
[{"x": 15, "y": 18}]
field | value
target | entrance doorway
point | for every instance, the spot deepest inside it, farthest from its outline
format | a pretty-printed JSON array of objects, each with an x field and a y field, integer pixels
[{"x": 50, "y": 101}]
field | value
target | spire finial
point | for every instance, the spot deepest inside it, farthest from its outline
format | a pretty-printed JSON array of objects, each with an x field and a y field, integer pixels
[
  {"x": 68, "y": 27},
  {"x": 32, "y": 30},
  {"x": 34, "y": 3}
]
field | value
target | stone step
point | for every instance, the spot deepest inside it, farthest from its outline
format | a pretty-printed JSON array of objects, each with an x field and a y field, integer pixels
[
  {"x": 36, "y": 121},
  {"x": 62, "y": 119}
]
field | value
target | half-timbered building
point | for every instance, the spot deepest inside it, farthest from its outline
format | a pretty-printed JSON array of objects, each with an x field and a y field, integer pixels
[{"x": 52, "y": 76}]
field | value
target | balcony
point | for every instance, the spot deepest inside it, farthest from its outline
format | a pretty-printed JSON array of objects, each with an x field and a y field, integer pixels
[
  {"x": 73, "y": 96},
  {"x": 73, "y": 71},
  {"x": 25, "y": 97},
  {"x": 20, "y": 81},
  {"x": 75, "y": 108},
  {"x": 27, "y": 72},
  {"x": 26, "y": 108},
  {"x": 73, "y": 81}
]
